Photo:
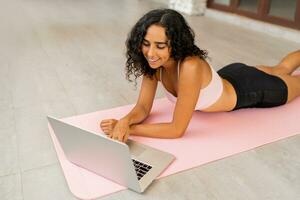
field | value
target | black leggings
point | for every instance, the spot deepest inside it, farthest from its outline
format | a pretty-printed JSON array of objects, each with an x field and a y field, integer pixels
[{"x": 254, "y": 88}]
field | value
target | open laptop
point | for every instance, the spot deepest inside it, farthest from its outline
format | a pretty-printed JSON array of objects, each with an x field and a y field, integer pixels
[{"x": 132, "y": 165}]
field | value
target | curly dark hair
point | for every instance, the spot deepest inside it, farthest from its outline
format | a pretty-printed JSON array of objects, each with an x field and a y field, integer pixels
[{"x": 178, "y": 31}]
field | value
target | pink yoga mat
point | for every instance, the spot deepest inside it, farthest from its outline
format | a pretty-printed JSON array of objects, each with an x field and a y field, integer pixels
[{"x": 212, "y": 135}]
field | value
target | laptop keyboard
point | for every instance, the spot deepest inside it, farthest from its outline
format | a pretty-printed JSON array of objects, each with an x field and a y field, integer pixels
[{"x": 140, "y": 168}]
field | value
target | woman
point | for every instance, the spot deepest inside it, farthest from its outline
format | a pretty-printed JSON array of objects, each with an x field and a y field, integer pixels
[{"x": 161, "y": 48}]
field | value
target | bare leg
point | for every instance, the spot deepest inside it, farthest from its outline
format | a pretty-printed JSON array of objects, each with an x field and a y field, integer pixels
[
  {"x": 283, "y": 70},
  {"x": 286, "y": 66},
  {"x": 289, "y": 63}
]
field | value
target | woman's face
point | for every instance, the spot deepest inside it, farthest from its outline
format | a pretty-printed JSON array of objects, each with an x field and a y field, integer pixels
[{"x": 155, "y": 46}]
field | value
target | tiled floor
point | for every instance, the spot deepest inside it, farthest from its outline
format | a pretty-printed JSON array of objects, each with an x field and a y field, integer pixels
[{"x": 66, "y": 57}]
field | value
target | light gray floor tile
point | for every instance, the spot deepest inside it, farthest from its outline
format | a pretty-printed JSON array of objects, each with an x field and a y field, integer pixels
[
  {"x": 49, "y": 86},
  {"x": 285, "y": 160},
  {"x": 45, "y": 183},
  {"x": 92, "y": 103},
  {"x": 250, "y": 176},
  {"x": 11, "y": 187},
  {"x": 24, "y": 90},
  {"x": 5, "y": 97},
  {"x": 59, "y": 108},
  {"x": 7, "y": 119},
  {"x": 35, "y": 145},
  {"x": 9, "y": 152}
]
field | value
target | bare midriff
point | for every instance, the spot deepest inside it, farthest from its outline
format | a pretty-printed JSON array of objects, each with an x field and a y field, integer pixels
[{"x": 227, "y": 100}]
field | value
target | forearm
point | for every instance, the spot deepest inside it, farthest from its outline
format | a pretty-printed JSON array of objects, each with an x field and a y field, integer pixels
[
  {"x": 159, "y": 130},
  {"x": 136, "y": 115}
]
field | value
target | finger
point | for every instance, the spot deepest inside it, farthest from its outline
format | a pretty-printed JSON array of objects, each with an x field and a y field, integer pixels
[
  {"x": 104, "y": 127},
  {"x": 125, "y": 138},
  {"x": 105, "y": 120},
  {"x": 115, "y": 138},
  {"x": 108, "y": 120},
  {"x": 120, "y": 137},
  {"x": 105, "y": 124},
  {"x": 108, "y": 127},
  {"x": 106, "y": 132},
  {"x": 116, "y": 135},
  {"x": 102, "y": 122}
]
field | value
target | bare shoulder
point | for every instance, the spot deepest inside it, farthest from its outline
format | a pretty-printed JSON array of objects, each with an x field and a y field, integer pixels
[{"x": 193, "y": 65}]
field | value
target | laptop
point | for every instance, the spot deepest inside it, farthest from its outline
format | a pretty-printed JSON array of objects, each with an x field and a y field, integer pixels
[{"x": 131, "y": 164}]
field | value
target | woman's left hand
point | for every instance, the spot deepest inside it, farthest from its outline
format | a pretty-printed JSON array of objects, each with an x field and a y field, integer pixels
[
  {"x": 108, "y": 125},
  {"x": 116, "y": 129},
  {"x": 120, "y": 131}
]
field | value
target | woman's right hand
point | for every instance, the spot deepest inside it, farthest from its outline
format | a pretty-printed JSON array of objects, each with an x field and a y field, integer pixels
[{"x": 108, "y": 125}]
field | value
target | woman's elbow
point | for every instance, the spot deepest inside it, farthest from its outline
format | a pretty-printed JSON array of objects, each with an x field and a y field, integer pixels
[
  {"x": 178, "y": 133},
  {"x": 177, "y": 130}
]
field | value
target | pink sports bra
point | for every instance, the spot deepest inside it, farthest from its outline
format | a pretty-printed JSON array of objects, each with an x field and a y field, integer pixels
[{"x": 208, "y": 95}]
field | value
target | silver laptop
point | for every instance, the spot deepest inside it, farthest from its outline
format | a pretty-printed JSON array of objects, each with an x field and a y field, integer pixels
[{"x": 132, "y": 165}]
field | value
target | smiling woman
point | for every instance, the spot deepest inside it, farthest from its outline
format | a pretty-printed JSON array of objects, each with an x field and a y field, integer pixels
[
  {"x": 155, "y": 46},
  {"x": 161, "y": 48},
  {"x": 159, "y": 30}
]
